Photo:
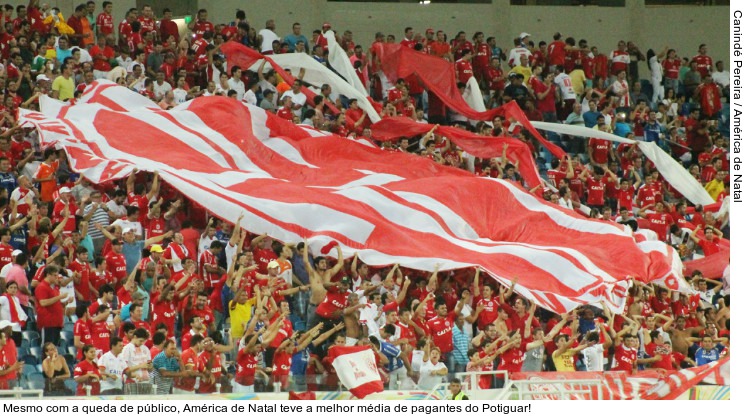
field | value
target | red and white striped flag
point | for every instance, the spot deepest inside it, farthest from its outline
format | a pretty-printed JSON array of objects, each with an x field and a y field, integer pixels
[
  {"x": 295, "y": 183},
  {"x": 356, "y": 368}
]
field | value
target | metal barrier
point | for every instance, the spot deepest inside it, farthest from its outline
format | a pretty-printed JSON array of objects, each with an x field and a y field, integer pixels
[{"x": 19, "y": 393}]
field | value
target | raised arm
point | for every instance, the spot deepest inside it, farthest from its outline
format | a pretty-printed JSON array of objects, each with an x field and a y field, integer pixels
[{"x": 339, "y": 263}]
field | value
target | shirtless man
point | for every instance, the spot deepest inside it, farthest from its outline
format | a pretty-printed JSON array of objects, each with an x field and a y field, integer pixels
[
  {"x": 319, "y": 276},
  {"x": 351, "y": 320},
  {"x": 679, "y": 335}
]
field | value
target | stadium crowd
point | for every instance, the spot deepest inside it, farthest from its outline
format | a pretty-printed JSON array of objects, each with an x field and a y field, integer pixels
[{"x": 130, "y": 287}]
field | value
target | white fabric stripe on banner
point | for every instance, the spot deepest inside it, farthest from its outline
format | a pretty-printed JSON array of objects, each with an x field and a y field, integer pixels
[
  {"x": 672, "y": 171},
  {"x": 341, "y": 63},
  {"x": 317, "y": 75}
]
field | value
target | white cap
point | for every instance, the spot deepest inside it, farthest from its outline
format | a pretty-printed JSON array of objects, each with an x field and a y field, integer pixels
[
  {"x": 42, "y": 77},
  {"x": 524, "y": 35},
  {"x": 5, "y": 323},
  {"x": 128, "y": 229},
  {"x": 64, "y": 190},
  {"x": 16, "y": 253}
]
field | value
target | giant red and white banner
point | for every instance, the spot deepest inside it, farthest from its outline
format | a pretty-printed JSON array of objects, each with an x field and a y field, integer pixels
[
  {"x": 389, "y": 207},
  {"x": 650, "y": 384}
]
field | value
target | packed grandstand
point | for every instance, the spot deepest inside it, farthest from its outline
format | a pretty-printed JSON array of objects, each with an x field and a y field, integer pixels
[{"x": 167, "y": 230}]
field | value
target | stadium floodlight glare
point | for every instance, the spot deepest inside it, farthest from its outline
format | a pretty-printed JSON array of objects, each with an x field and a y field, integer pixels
[{"x": 425, "y": 2}]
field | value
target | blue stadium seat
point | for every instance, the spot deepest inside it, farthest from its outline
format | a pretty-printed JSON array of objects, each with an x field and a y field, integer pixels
[
  {"x": 30, "y": 359},
  {"x": 28, "y": 335},
  {"x": 35, "y": 351},
  {"x": 68, "y": 326},
  {"x": 22, "y": 351},
  {"x": 29, "y": 369},
  {"x": 71, "y": 385},
  {"x": 35, "y": 381},
  {"x": 72, "y": 350},
  {"x": 70, "y": 359},
  {"x": 39, "y": 368},
  {"x": 67, "y": 336}
]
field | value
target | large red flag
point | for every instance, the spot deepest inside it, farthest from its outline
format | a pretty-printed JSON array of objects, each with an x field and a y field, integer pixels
[
  {"x": 438, "y": 76},
  {"x": 476, "y": 145}
]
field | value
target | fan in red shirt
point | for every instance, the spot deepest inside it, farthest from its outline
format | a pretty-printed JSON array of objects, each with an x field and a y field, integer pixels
[
  {"x": 440, "y": 327},
  {"x": 336, "y": 299},
  {"x": 105, "y": 20},
  {"x": 192, "y": 362},
  {"x": 486, "y": 307},
  {"x": 164, "y": 310},
  {"x": 249, "y": 350},
  {"x": 211, "y": 360},
  {"x": 557, "y": 51},
  {"x": 660, "y": 220},
  {"x": 82, "y": 275},
  {"x": 626, "y": 355},
  {"x": 201, "y": 25},
  {"x": 703, "y": 61},
  {"x": 116, "y": 263},
  {"x": 81, "y": 331},
  {"x": 146, "y": 20},
  {"x": 596, "y": 186},
  {"x": 711, "y": 244},
  {"x": 86, "y": 373},
  {"x": 464, "y": 67},
  {"x": 482, "y": 56}
]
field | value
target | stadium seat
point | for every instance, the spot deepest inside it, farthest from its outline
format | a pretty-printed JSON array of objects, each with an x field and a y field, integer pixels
[
  {"x": 67, "y": 336},
  {"x": 30, "y": 359},
  {"x": 72, "y": 350},
  {"x": 22, "y": 351},
  {"x": 35, "y": 381},
  {"x": 29, "y": 369},
  {"x": 39, "y": 368},
  {"x": 68, "y": 326},
  {"x": 71, "y": 385},
  {"x": 70, "y": 359},
  {"x": 30, "y": 339},
  {"x": 35, "y": 351}
]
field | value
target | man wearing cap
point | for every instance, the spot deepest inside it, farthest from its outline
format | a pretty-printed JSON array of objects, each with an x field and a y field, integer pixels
[
  {"x": 154, "y": 260},
  {"x": 520, "y": 48},
  {"x": 132, "y": 248},
  {"x": 43, "y": 82},
  {"x": 65, "y": 200}
]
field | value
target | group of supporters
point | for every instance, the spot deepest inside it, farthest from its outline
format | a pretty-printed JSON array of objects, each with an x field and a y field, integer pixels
[{"x": 125, "y": 286}]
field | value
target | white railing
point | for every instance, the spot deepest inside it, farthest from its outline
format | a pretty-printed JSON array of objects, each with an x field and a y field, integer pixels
[{"x": 19, "y": 393}]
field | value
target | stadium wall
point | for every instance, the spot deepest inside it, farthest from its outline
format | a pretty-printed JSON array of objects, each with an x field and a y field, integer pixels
[{"x": 682, "y": 27}]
